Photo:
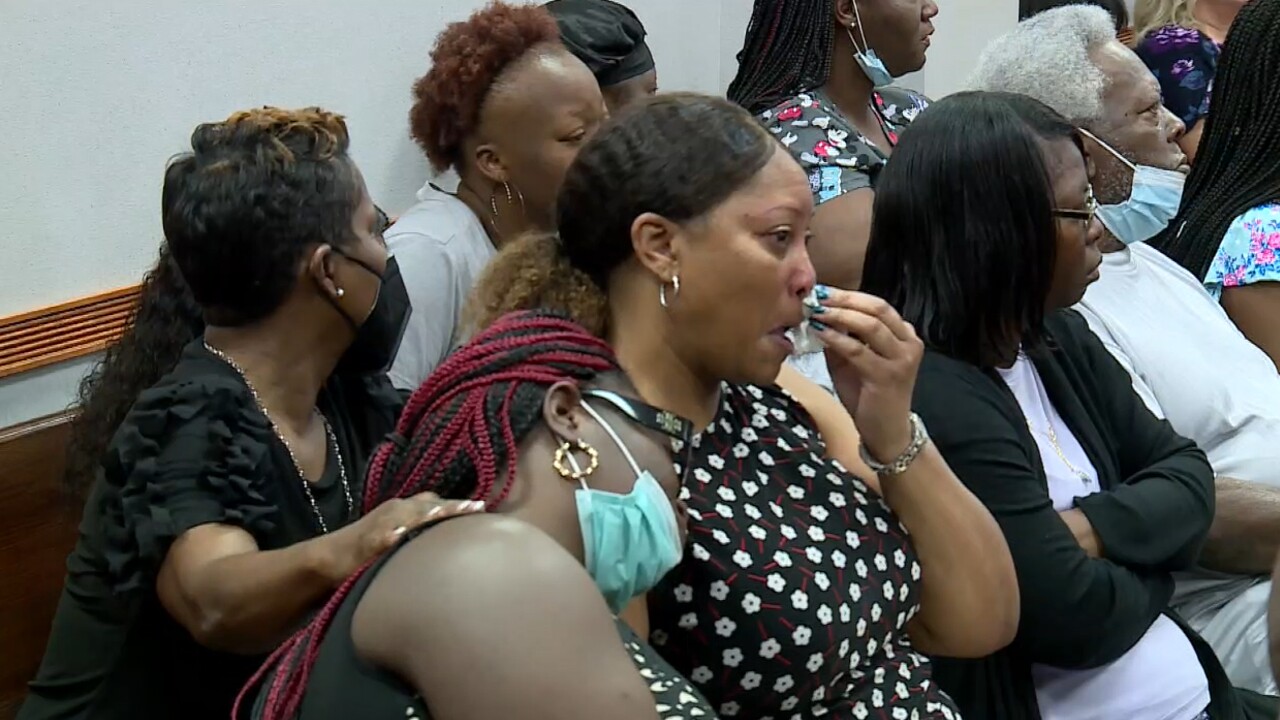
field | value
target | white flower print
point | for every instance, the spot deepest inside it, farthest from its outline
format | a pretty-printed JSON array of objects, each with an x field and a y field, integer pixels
[
  {"x": 839, "y": 559},
  {"x": 788, "y": 532},
  {"x": 821, "y": 580},
  {"x": 815, "y": 663},
  {"x": 795, "y": 492},
  {"x": 813, "y": 554},
  {"x": 816, "y": 533},
  {"x": 853, "y": 539},
  {"x": 748, "y": 435},
  {"x": 801, "y": 635},
  {"x": 789, "y": 704},
  {"x": 731, "y": 657},
  {"x": 818, "y": 513},
  {"x": 719, "y": 590},
  {"x": 742, "y": 559},
  {"x": 880, "y": 562},
  {"x": 877, "y": 698},
  {"x": 888, "y": 590},
  {"x": 845, "y": 613},
  {"x": 716, "y": 462},
  {"x": 825, "y": 616},
  {"x": 899, "y": 558},
  {"x": 684, "y": 593},
  {"x": 860, "y": 567},
  {"x": 799, "y": 600},
  {"x": 837, "y": 500},
  {"x": 782, "y": 558},
  {"x": 881, "y": 525},
  {"x": 751, "y": 511},
  {"x": 807, "y": 472},
  {"x": 701, "y": 475},
  {"x": 688, "y": 621},
  {"x": 776, "y": 582},
  {"x": 757, "y": 532},
  {"x": 741, "y": 450},
  {"x": 761, "y": 421},
  {"x": 783, "y": 684},
  {"x": 699, "y": 553},
  {"x": 725, "y": 626},
  {"x": 724, "y": 510},
  {"x": 701, "y": 674},
  {"x": 751, "y": 680},
  {"x": 750, "y": 603},
  {"x": 770, "y": 648},
  {"x": 876, "y": 612},
  {"x": 765, "y": 458},
  {"x": 729, "y": 709}
]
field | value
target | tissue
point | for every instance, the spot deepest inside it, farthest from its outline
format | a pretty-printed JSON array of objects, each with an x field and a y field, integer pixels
[{"x": 803, "y": 337}]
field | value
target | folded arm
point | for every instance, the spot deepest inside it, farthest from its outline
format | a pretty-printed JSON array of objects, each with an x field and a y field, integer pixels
[{"x": 1245, "y": 536}]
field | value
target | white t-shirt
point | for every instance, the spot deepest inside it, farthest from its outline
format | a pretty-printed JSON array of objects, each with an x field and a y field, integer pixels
[
  {"x": 1159, "y": 678},
  {"x": 1192, "y": 367},
  {"x": 442, "y": 248}
]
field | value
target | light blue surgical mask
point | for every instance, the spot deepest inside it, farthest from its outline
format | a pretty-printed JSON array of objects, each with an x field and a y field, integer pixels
[
  {"x": 631, "y": 541},
  {"x": 871, "y": 64},
  {"x": 1152, "y": 204}
]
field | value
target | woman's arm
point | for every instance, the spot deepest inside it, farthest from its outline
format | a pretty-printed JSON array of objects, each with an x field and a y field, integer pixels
[
  {"x": 1077, "y": 611},
  {"x": 841, "y": 230},
  {"x": 969, "y": 601},
  {"x": 1253, "y": 309},
  {"x": 488, "y": 617},
  {"x": 233, "y": 597},
  {"x": 1159, "y": 515}
]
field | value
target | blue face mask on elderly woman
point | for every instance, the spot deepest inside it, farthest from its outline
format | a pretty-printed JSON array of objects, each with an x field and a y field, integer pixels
[
  {"x": 1152, "y": 203},
  {"x": 631, "y": 541}
]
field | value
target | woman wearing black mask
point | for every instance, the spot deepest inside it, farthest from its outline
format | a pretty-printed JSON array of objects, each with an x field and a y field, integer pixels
[{"x": 223, "y": 510}]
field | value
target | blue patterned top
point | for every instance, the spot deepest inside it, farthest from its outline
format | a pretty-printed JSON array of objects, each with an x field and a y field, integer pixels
[
  {"x": 1185, "y": 62},
  {"x": 1250, "y": 251}
]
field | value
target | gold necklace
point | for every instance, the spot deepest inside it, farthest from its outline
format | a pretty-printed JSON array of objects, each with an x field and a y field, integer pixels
[
  {"x": 1053, "y": 440},
  {"x": 328, "y": 431}
]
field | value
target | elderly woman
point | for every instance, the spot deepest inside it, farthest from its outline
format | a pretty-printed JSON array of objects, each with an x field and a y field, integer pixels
[
  {"x": 609, "y": 38},
  {"x": 225, "y": 508},
  {"x": 506, "y": 106},
  {"x": 1118, "y": 10},
  {"x": 1180, "y": 41},
  {"x": 801, "y": 592},
  {"x": 983, "y": 244}
]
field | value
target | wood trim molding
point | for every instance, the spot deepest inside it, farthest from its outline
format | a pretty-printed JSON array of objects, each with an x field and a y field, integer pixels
[{"x": 68, "y": 330}]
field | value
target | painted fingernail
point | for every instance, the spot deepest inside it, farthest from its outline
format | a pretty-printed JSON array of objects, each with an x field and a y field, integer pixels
[
  {"x": 473, "y": 505},
  {"x": 399, "y": 531},
  {"x": 822, "y": 292},
  {"x": 434, "y": 511},
  {"x": 817, "y": 325},
  {"x": 819, "y": 310}
]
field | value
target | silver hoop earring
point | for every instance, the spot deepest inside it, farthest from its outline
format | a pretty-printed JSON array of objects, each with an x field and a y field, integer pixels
[{"x": 675, "y": 291}]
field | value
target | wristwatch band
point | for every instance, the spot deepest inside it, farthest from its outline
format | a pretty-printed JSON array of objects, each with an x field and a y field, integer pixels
[{"x": 899, "y": 465}]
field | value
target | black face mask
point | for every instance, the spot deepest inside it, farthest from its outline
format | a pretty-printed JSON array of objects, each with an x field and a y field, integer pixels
[{"x": 378, "y": 337}]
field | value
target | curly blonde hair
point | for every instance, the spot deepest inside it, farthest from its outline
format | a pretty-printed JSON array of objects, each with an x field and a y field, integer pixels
[{"x": 1151, "y": 15}]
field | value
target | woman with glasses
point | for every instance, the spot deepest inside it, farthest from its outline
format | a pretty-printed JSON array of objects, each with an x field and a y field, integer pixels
[
  {"x": 983, "y": 245},
  {"x": 509, "y": 614}
]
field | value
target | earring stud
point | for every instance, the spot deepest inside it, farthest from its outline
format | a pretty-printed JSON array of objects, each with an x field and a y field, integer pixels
[{"x": 341, "y": 292}]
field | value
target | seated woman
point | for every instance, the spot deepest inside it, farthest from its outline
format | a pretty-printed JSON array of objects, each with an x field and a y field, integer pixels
[
  {"x": 609, "y": 38},
  {"x": 817, "y": 73},
  {"x": 1227, "y": 231},
  {"x": 224, "y": 509},
  {"x": 982, "y": 245},
  {"x": 506, "y": 106},
  {"x": 801, "y": 593},
  {"x": 533, "y": 418}
]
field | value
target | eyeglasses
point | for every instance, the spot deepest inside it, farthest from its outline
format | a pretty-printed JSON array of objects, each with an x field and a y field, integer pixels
[
  {"x": 648, "y": 416},
  {"x": 1086, "y": 214}
]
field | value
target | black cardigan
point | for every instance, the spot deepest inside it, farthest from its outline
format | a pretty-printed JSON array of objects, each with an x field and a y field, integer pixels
[{"x": 1152, "y": 516}]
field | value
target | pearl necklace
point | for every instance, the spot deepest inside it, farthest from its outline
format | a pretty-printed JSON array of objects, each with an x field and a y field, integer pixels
[{"x": 328, "y": 431}]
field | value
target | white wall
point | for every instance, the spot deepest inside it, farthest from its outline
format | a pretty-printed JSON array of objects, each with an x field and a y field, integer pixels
[{"x": 96, "y": 96}]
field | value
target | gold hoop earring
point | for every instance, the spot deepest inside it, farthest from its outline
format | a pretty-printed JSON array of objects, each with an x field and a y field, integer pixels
[{"x": 565, "y": 452}]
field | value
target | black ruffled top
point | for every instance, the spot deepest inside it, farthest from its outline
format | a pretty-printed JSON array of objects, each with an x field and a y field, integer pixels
[{"x": 195, "y": 449}]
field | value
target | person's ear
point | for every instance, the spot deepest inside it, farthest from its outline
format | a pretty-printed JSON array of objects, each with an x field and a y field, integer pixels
[
  {"x": 562, "y": 411},
  {"x": 321, "y": 266},
  {"x": 655, "y": 240},
  {"x": 490, "y": 163},
  {"x": 845, "y": 17}
]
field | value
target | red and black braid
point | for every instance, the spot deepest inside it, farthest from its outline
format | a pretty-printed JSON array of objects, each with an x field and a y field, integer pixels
[
  {"x": 458, "y": 437},
  {"x": 786, "y": 51}
]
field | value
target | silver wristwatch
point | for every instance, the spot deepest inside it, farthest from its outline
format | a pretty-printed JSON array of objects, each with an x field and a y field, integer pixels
[{"x": 899, "y": 465}]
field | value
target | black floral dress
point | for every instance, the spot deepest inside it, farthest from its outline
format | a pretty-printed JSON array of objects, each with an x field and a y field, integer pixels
[{"x": 798, "y": 581}]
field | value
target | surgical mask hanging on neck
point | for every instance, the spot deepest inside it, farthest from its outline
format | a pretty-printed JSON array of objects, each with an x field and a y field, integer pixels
[
  {"x": 630, "y": 541},
  {"x": 872, "y": 66},
  {"x": 1152, "y": 203}
]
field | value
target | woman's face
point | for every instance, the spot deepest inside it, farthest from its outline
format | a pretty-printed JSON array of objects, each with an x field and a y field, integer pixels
[
  {"x": 898, "y": 31},
  {"x": 744, "y": 269},
  {"x": 618, "y": 96},
  {"x": 543, "y": 110},
  {"x": 359, "y": 265},
  {"x": 1078, "y": 256}
]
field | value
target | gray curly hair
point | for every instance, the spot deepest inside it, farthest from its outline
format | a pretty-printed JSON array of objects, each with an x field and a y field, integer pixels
[{"x": 1046, "y": 57}]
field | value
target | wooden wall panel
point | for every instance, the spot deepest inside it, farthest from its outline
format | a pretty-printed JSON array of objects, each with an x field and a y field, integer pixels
[
  {"x": 61, "y": 332},
  {"x": 37, "y": 530}
]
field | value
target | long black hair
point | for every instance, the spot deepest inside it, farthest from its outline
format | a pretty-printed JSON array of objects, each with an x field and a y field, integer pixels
[
  {"x": 787, "y": 50},
  {"x": 1236, "y": 167},
  {"x": 963, "y": 238},
  {"x": 167, "y": 318}
]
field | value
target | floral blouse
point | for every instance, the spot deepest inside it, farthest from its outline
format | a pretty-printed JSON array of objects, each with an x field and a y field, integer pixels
[
  {"x": 1184, "y": 61},
  {"x": 1250, "y": 251},
  {"x": 837, "y": 158}
]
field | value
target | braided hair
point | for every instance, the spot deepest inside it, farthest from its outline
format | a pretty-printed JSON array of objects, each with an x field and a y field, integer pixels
[
  {"x": 458, "y": 437},
  {"x": 787, "y": 50},
  {"x": 1235, "y": 169}
]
